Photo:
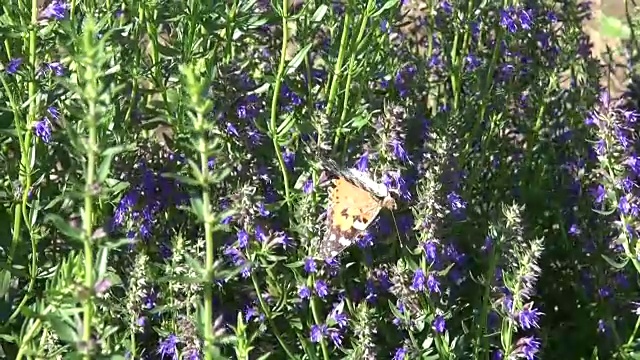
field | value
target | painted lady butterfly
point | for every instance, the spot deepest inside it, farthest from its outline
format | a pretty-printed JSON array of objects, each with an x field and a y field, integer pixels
[{"x": 354, "y": 204}]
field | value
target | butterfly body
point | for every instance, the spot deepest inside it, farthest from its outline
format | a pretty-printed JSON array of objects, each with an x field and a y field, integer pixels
[{"x": 354, "y": 204}]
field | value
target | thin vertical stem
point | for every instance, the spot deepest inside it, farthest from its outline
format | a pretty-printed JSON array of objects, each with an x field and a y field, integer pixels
[
  {"x": 208, "y": 236},
  {"x": 274, "y": 102}
]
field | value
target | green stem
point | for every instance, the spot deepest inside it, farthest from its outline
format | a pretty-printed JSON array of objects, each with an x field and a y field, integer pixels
[
  {"x": 267, "y": 313},
  {"x": 21, "y": 211},
  {"x": 87, "y": 222},
  {"x": 273, "y": 128},
  {"x": 337, "y": 69},
  {"x": 208, "y": 236},
  {"x": 485, "y": 307},
  {"x": 364, "y": 21}
]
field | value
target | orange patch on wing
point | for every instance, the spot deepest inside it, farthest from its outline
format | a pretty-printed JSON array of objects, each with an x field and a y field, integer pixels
[{"x": 350, "y": 203}]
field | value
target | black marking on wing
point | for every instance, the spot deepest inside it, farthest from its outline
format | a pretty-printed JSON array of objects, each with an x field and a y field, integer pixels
[
  {"x": 332, "y": 247},
  {"x": 332, "y": 167}
]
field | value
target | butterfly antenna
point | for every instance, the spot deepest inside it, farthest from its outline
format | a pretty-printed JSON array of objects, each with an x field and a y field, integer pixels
[{"x": 395, "y": 223}]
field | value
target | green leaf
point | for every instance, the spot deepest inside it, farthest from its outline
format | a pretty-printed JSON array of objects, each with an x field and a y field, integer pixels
[
  {"x": 117, "y": 243},
  {"x": 285, "y": 126},
  {"x": 117, "y": 186},
  {"x": 219, "y": 175},
  {"x": 63, "y": 329},
  {"x": 260, "y": 89},
  {"x": 72, "y": 232},
  {"x": 186, "y": 180},
  {"x": 614, "y": 28},
  {"x": 5, "y": 279},
  {"x": 302, "y": 179},
  {"x": 107, "y": 158},
  {"x": 197, "y": 207},
  {"x": 102, "y": 261},
  {"x": 321, "y": 11},
  {"x": 388, "y": 5},
  {"x": 358, "y": 122},
  {"x": 615, "y": 264},
  {"x": 297, "y": 60}
]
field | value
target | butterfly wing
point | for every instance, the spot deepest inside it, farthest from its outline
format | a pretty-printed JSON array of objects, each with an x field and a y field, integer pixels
[
  {"x": 351, "y": 211},
  {"x": 359, "y": 178}
]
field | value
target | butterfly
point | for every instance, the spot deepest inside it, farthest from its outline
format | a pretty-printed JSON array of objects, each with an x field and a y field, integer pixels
[{"x": 355, "y": 200}]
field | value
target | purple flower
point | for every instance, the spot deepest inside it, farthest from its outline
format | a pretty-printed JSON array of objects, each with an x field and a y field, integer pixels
[
  {"x": 439, "y": 324},
  {"x": 231, "y": 130},
  {"x": 304, "y": 292},
  {"x": 528, "y": 318},
  {"x": 262, "y": 210},
  {"x": 525, "y": 19},
  {"x": 13, "y": 66},
  {"x": 307, "y": 188},
  {"x": 251, "y": 312},
  {"x": 446, "y": 7},
  {"x": 246, "y": 271},
  {"x": 42, "y": 129},
  {"x": 55, "y": 67},
  {"x": 53, "y": 112},
  {"x": 398, "y": 151},
  {"x": 455, "y": 202},
  {"x": 400, "y": 354},
  {"x": 321, "y": 288},
  {"x": 433, "y": 284},
  {"x": 261, "y": 236},
  {"x": 363, "y": 163},
  {"x": 235, "y": 255},
  {"x": 149, "y": 300},
  {"x": 627, "y": 184},
  {"x": 631, "y": 116},
  {"x": 167, "y": 348},
  {"x": 506, "y": 20},
  {"x": 627, "y": 207},
  {"x": 243, "y": 239},
  {"x": 634, "y": 163},
  {"x": 56, "y": 9},
  {"x": 430, "y": 250},
  {"x": 336, "y": 337},
  {"x": 318, "y": 332},
  {"x": 497, "y": 355},
  {"x": 600, "y": 147},
  {"x": 527, "y": 347},
  {"x": 574, "y": 230},
  {"x": 472, "y": 62},
  {"x": 602, "y": 326},
  {"x": 598, "y": 194},
  {"x": 289, "y": 158},
  {"x": 418, "y": 281},
  {"x": 309, "y": 265},
  {"x": 193, "y": 354},
  {"x": 340, "y": 317}
]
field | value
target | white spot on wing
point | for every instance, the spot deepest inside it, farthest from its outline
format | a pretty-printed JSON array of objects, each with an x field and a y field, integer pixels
[
  {"x": 359, "y": 225},
  {"x": 344, "y": 241}
]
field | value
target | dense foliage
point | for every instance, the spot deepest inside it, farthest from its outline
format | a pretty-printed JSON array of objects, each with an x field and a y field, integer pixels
[{"x": 163, "y": 196}]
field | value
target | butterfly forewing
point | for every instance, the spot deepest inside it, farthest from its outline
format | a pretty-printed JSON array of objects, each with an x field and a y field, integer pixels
[{"x": 351, "y": 211}]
